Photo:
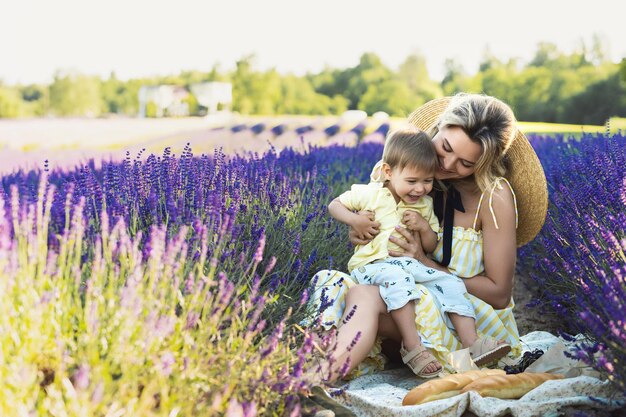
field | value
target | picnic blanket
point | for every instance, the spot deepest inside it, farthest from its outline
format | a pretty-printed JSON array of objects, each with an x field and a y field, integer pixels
[{"x": 381, "y": 394}]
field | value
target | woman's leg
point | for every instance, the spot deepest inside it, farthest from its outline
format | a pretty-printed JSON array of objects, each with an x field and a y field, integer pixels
[{"x": 360, "y": 323}]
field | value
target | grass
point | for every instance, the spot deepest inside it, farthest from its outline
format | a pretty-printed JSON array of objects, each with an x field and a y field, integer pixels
[
  {"x": 540, "y": 127},
  {"x": 617, "y": 123}
]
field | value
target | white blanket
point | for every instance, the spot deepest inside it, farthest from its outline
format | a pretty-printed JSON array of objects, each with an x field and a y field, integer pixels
[{"x": 381, "y": 394}]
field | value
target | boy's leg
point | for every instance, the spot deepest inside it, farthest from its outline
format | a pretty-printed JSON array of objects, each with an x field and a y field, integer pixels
[
  {"x": 404, "y": 317},
  {"x": 398, "y": 291},
  {"x": 450, "y": 292},
  {"x": 465, "y": 328}
]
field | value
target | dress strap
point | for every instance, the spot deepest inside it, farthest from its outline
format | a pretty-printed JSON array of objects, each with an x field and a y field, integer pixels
[
  {"x": 452, "y": 202},
  {"x": 478, "y": 210},
  {"x": 497, "y": 184}
]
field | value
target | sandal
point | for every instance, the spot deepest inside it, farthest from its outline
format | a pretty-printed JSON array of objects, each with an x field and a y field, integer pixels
[
  {"x": 418, "y": 359},
  {"x": 486, "y": 350}
]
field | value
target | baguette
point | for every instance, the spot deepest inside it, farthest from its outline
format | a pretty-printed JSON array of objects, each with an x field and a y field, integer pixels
[
  {"x": 511, "y": 386},
  {"x": 445, "y": 387}
]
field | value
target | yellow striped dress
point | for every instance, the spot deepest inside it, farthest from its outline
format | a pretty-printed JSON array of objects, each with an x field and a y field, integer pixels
[{"x": 466, "y": 261}]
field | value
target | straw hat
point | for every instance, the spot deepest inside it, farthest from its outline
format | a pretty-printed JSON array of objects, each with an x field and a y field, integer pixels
[{"x": 525, "y": 172}]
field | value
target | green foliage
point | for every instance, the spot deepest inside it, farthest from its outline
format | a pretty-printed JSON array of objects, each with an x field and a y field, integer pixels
[
  {"x": 152, "y": 109},
  {"x": 391, "y": 96},
  {"x": 549, "y": 88},
  {"x": 299, "y": 97},
  {"x": 192, "y": 104},
  {"x": 605, "y": 97},
  {"x": 120, "y": 97},
  {"x": 414, "y": 73},
  {"x": 457, "y": 80},
  {"x": 11, "y": 104},
  {"x": 75, "y": 95}
]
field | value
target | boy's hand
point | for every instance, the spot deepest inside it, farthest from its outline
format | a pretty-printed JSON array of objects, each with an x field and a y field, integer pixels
[
  {"x": 414, "y": 221},
  {"x": 363, "y": 227}
]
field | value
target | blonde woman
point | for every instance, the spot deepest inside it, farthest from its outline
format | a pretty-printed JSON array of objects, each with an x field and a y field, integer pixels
[{"x": 486, "y": 169}]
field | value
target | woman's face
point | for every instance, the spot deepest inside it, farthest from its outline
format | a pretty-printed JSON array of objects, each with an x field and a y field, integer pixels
[{"x": 457, "y": 153}]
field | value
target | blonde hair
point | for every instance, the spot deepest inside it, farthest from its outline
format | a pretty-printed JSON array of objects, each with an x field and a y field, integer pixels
[
  {"x": 412, "y": 148},
  {"x": 488, "y": 122}
]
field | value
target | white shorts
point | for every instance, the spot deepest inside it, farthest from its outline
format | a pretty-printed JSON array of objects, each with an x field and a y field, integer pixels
[{"x": 396, "y": 279}]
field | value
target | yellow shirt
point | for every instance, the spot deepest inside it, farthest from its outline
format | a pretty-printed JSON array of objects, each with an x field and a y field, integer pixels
[{"x": 379, "y": 199}]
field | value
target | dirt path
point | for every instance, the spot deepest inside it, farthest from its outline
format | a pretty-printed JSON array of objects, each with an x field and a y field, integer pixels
[{"x": 529, "y": 319}]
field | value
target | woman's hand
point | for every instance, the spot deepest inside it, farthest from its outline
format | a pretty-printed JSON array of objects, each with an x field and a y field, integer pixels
[
  {"x": 358, "y": 238},
  {"x": 410, "y": 244}
]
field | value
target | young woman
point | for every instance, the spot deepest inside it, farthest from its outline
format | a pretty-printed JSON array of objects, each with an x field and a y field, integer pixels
[{"x": 486, "y": 168}]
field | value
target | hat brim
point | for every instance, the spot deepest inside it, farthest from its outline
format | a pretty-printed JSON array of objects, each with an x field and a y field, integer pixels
[{"x": 525, "y": 172}]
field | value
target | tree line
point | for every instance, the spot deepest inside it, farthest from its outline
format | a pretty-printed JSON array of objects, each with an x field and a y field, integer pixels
[{"x": 582, "y": 87}]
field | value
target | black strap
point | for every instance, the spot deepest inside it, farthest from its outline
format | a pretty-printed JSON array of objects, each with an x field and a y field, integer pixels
[{"x": 453, "y": 202}]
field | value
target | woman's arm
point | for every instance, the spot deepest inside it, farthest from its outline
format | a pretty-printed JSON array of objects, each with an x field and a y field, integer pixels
[{"x": 495, "y": 285}]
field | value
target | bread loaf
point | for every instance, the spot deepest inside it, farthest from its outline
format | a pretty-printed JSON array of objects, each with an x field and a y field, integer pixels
[
  {"x": 445, "y": 387},
  {"x": 511, "y": 386}
]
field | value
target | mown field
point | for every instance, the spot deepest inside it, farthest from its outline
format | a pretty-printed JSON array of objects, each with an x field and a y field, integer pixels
[{"x": 172, "y": 283}]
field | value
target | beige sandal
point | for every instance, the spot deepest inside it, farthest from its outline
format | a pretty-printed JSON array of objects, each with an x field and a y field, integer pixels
[
  {"x": 487, "y": 350},
  {"x": 418, "y": 359}
]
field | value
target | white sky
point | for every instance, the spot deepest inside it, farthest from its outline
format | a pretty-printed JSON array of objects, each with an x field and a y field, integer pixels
[{"x": 138, "y": 38}]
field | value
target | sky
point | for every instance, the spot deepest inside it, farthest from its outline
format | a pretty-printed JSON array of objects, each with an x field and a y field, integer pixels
[{"x": 140, "y": 38}]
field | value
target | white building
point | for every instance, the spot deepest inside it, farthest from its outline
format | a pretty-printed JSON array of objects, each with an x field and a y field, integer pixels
[
  {"x": 168, "y": 100},
  {"x": 213, "y": 95}
]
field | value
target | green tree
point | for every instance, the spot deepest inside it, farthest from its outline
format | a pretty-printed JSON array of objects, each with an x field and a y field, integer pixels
[
  {"x": 75, "y": 95},
  {"x": 370, "y": 71},
  {"x": 35, "y": 99},
  {"x": 457, "y": 80},
  {"x": 299, "y": 97},
  {"x": 391, "y": 96},
  {"x": 11, "y": 104},
  {"x": 499, "y": 81},
  {"x": 414, "y": 73},
  {"x": 192, "y": 104},
  {"x": 244, "y": 81},
  {"x": 330, "y": 82},
  {"x": 598, "y": 102},
  {"x": 532, "y": 93}
]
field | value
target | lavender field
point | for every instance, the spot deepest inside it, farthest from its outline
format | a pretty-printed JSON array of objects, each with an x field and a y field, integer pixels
[{"x": 172, "y": 284}]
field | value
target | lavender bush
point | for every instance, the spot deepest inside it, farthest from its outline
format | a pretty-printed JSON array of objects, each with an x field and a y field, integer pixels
[
  {"x": 166, "y": 286},
  {"x": 128, "y": 334},
  {"x": 172, "y": 285},
  {"x": 578, "y": 261}
]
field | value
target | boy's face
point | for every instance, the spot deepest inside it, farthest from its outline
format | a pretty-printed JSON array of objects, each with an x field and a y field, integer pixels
[{"x": 408, "y": 184}]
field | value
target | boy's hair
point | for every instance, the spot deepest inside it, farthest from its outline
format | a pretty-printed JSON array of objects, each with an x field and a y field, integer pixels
[{"x": 412, "y": 148}]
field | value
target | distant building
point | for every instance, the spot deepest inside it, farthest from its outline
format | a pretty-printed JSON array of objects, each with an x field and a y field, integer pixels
[
  {"x": 213, "y": 95},
  {"x": 163, "y": 100},
  {"x": 170, "y": 100}
]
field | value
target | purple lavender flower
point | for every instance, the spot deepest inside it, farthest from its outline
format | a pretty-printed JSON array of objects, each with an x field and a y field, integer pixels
[
  {"x": 167, "y": 363},
  {"x": 82, "y": 377},
  {"x": 258, "y": 255}
]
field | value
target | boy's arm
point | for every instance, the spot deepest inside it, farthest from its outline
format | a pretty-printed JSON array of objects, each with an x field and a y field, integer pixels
[
  {"x": 429, "y": 239},
  {"x": 416, "y": 223},
  {"x": 364, "y": 226}
]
